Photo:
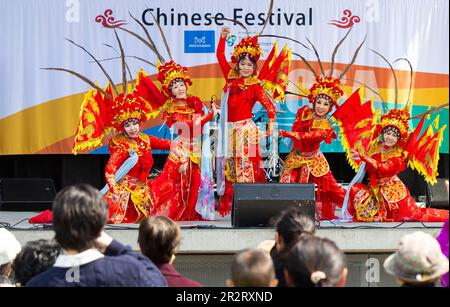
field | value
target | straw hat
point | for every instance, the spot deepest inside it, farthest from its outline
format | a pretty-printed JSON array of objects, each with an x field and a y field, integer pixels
[
  {"x": 418, "y": 259},
  {"x": 9, "y": 246}
]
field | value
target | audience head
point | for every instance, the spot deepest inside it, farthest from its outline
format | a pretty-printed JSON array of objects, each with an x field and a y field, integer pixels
[
  {"x": 36, "y": 257},
  {"x": 9, "y": 248},
  {"x": 159, "y": 238},
  {"x": 315, "y": 262},
  {"x": 79, "y": 216},
  {"x": 252, "y": 268},
  {"x": 290, "y": 225},
  {"x": 417, "y": 261}
]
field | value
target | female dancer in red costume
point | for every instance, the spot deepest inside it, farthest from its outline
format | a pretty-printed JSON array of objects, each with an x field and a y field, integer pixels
[
  {"x": 242, "y": 90},
  {"x": 120, "y": 115},
  {"x": 131, "y": 198},
  {"x": 386, "y": 198},
  {"x": 181, "y": 174},
  {"x": 384, "y": 147},
  {"x": 306, "y": 163},
  {"x": 311, "y": 127},
  {"x": 106, "y": 111},
  {"x": 179, "y": 185}
]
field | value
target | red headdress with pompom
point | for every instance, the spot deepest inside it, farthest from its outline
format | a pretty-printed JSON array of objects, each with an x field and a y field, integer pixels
[
  {"x": 326, "y": 86},
  {"x": 248, "y": 45},
  {"x": 398, "y": 118},
  {"x": 170, "y": 71}
]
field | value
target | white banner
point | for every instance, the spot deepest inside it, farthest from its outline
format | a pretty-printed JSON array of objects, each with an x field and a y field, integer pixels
[{"x": 42, "y": 106}]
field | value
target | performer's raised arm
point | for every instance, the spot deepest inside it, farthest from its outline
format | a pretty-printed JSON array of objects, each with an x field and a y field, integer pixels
[{"x": 224, "y": 66}]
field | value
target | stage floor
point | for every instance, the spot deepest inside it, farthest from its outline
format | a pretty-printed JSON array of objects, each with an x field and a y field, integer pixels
[{"x": 219, "y": 237}]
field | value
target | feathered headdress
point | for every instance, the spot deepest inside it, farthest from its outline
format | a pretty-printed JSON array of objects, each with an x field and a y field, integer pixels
[
  {"x": 274, "y": 72},
  {"x": 326, "y": 86},
  {"x": 247, "y": 45},
  {"x": 104, "y": 110},
  {"x": 361, "y": 126},
  {"x": 398, "y": 118},
  {"x": 170, "y": 71}
]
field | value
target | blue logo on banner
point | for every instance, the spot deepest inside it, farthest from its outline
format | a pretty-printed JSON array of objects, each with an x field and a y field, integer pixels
[
  {"x": 230, "y": 40},
  {"x": 199, "y": 41}
]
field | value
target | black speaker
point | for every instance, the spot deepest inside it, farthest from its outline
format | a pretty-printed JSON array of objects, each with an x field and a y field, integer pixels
[
  {"x": 414, "y": 182},
  {"x": 255, "y": 204},
  {"x": 26, "y": 194},
  {"x": 437, "y": 194}
]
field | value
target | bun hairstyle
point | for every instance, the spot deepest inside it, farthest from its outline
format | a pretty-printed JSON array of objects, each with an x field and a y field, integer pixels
[{"x": 315, "y": 262}]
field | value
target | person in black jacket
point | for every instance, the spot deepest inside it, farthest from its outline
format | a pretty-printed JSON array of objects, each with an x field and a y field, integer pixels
[{"x": 90, "y": 257}]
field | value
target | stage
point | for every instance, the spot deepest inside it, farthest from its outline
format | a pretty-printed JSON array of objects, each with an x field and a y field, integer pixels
[
  {"x": 219, "y": 237},
  {"x": 207, "y": 247}
]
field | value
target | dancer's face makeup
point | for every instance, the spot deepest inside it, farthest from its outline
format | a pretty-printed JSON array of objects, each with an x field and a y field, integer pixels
[
  {"x": 246, "y": 67},
  {"x": 132, "y": 128},
  {"x": 390, "y": 138},
  {"x": 322, "y": 106},
  {"x": 178, "y": 90}
]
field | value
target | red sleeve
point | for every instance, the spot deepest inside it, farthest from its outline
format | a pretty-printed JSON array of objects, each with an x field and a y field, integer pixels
[
  {"x": 262, "y": 97},
  {"x": 203, "y": 120},
  {"x": 389, "y": 168},
  {"x": 197, "y": 105},
  {"x": 314, "y": 135},
  {"x": 116, "y": 159},
  {"x": 291, "y": 135},
  {"x": 298, "y": 119},
  {"x": 220, "y": 53},
  {"x": 158, "y": 143},
  {"x": 330, "y": 135},
  {"x": 168, "y": 118},
  {"x": 207, "y": 117}
]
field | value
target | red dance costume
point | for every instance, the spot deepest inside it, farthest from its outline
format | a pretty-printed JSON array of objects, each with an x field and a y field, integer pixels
[
  {"x": 179, "y": 182},
  {"x": 386, "y": 198},
  {"x": 103, "y": 111},
  {"x": 181, "y": 174},
  {"x": 243, "y": 163},
  {"x": 136, "y": 198},
  {"x": 306, "y": 163}
]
